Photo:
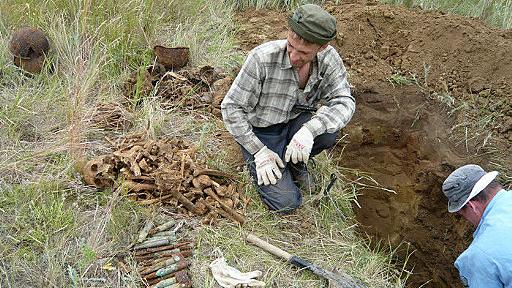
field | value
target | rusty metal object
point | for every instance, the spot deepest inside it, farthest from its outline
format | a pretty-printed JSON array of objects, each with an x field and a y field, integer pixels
[
  {"x": 182, "y": 279},
  {"x": 167, "y": 225},
  {"x": 183, "y": 246},
  {"x": 29, "y": 47},
  {"x": 167, "y": 270},
  {"x": 186, "y": 245},
  {"x": 161, "y": 264},
  {"x": 155, "y": 243},
  {"x": 161, "y": 254},
  {"x": 172, "y": 58},
  {"x": 145, "y": 231},
  {"x": 150, "y": 260}
]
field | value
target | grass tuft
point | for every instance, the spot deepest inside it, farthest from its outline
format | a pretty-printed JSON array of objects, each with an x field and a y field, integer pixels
[{"x": 495, "y": 12}]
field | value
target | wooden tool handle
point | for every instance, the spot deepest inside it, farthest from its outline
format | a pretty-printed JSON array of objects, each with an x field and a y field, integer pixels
[{"x": 268, "y": 247}]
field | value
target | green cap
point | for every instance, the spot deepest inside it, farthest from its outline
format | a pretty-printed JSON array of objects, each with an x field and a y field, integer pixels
[{"x": 313, "y": 23}]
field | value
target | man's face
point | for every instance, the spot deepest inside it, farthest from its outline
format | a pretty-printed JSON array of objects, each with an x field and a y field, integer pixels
[{"x": 300, "y": 51}]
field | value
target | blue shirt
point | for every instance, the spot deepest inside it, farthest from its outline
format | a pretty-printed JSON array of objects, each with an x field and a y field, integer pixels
[{"x": 487, "y": 262}]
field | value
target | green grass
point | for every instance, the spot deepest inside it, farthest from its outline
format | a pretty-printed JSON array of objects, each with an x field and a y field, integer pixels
[
  {"x": 399, "y": 79},
  {"x": 272, "y": 4},
  {"x": 495, "y": 12}
]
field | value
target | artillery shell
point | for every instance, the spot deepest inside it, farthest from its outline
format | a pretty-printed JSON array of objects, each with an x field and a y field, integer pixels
[
  {"x": 153, "y": 259},
  {"x": 162, "y": 227},
  {"x": 164, "y": 233},
  {"x": 183, "y": 245},
  {"x": 167, "y": 270},
  {"x": 151, "y": 244},
  {"x": 144, "y": 232},
  {"x": 145, "y": 264},
  {"x": 166, "y": 283},
  {"x": 156, "y": 238},
  {"x": 161, "y": 264},
  {"x": 172, "y": 268},
  {"x": 159, "y": 254},
  {"x": 156, "y": 280},
  {"x": 155, "y": 243},
  {"x": 181, "y": 277}
]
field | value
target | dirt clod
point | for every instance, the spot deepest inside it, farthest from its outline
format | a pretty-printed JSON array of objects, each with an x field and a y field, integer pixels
[{"x": 172, "y": 58}]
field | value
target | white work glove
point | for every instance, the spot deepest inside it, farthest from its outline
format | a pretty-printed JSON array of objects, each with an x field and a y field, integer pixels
[
  {"x": 267, "y": 166},
  {"x": 229, "y": 277},
  {"x": 300, "y": 146}
]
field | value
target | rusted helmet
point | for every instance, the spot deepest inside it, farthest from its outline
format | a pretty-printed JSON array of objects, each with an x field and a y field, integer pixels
[{"x": 29, "y": 46}]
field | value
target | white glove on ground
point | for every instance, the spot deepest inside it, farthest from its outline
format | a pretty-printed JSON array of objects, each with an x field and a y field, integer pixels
[
  {"x": 229, "y": 277},
  {"x": 267, "y": 166},
  {"x": 300, "y": 146}
]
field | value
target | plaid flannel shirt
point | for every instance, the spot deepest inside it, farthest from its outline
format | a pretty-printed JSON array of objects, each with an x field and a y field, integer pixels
[{"x": 267, "y": 88}]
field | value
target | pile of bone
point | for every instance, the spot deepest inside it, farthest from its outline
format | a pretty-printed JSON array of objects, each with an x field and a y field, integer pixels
[
  {"x": 194, "y": 88},
  {"x": 167, "y": 171},
  {"x": 161, "y": 257}
]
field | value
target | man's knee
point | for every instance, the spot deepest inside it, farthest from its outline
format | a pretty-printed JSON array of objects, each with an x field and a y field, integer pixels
[
  {"x": 282, "y": 197},
  {"x": 323, "y": 142},
  {"x": 286, "y": 203}
]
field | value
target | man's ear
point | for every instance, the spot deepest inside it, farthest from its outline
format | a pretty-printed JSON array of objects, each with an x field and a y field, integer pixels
[{"x": 473, "y": 205}]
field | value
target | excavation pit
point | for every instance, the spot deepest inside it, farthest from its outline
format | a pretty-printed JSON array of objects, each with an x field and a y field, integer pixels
[{"x": 399, "y": 138}]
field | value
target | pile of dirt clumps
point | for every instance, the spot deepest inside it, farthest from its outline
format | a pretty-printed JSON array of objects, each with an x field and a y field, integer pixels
[
  {"x": 403, "y": 136},
  {"x": 167, "y": 171}
]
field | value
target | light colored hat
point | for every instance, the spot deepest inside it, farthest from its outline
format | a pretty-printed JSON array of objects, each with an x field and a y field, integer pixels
[{"x": 465, "y": 183}]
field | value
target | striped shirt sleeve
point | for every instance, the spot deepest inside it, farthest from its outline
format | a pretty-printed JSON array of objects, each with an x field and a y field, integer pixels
[{"x": 241, "y": 98}]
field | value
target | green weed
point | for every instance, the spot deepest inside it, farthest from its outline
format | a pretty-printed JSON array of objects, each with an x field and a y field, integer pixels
[
  {"x": 399, "y": 79},
  {"x": 269, "y": 4}
]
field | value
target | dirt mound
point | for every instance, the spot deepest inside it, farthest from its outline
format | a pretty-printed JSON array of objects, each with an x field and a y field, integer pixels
[{"x": 403, "y": 136}]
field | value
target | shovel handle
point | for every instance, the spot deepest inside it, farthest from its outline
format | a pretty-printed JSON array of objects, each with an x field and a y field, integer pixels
[{"x": 268, "y": 247}]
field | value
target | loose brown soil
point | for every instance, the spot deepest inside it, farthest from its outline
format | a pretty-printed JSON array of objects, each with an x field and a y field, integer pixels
[{"x": 404, "y": 136}]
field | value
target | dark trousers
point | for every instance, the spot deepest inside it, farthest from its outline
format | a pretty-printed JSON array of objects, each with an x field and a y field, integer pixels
[{"x": 284, "y": 196}]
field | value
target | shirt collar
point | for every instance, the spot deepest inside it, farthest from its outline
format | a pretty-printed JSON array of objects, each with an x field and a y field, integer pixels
[{"x": 285, "y": 62}]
